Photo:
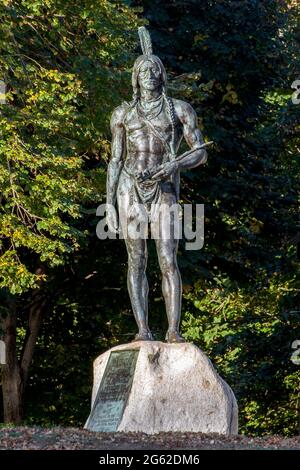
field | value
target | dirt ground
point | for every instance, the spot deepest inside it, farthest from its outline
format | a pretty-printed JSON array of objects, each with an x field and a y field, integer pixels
[{"x": 36, "y": 438}]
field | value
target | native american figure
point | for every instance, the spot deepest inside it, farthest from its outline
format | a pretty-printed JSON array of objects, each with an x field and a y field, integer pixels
[{"x": 143, "y": 175}]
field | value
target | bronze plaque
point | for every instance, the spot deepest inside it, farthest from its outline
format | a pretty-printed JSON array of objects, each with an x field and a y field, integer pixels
[{"x": 113, "y": 391}]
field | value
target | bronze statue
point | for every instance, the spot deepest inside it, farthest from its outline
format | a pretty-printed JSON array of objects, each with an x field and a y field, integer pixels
[{"x": 144, "y": 170}]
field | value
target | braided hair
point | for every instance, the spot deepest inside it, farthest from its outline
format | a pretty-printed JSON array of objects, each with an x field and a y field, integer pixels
[{"x": 171, "y": 109}]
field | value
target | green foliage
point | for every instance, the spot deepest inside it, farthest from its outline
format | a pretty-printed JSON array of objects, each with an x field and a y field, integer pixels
[
  {"x": 59, "y": 61},
  {"x": 248, "y": 332}
]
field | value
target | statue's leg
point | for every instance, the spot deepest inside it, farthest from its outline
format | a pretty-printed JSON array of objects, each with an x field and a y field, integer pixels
[
  {"x": 137, "y": 257},
  {"x": 137, "y": 284},
  {"x": 166, "y": 245}
]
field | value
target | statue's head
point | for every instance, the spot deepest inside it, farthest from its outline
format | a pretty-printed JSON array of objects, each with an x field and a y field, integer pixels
[{"x": 148, "y": 71}]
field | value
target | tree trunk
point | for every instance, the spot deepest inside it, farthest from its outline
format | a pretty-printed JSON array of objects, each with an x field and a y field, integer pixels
[
  {"x": 11, "y": 380},
  {"x": 36, "y": 310},
  {"x": 15, "y": 372}
]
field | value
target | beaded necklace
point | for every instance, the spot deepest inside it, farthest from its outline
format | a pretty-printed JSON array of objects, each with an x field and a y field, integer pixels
[{"x": 153, "y": 112}]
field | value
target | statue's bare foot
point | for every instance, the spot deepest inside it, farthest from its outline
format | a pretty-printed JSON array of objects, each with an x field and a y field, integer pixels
[
  {"x": 173, "y": 336},
  {"x": 143, "y": 336}
]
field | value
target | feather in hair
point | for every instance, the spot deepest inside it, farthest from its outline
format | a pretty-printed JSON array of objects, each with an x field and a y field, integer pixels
[{"x": 145, "y": 40}]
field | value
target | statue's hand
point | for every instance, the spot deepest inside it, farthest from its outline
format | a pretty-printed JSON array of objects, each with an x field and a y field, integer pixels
[
  {"x": 165, "y": 170},
  {"x": 112, "y": 218},
  {"x": 143, "y": 176}
]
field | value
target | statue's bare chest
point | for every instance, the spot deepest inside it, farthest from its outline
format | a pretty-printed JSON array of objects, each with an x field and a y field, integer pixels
[{"x": 145, "y": 133}]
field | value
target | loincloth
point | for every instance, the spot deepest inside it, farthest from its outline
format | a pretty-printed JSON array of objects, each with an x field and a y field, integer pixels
[
  {"x": 148, "y": 192},
  {"x": 143, "y": 202}
]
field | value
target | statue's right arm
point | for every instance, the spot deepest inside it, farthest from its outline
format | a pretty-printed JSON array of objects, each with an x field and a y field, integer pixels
[{"x": 118, "y": 151}]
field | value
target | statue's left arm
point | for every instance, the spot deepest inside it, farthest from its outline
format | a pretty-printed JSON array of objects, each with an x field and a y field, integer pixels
[{"x": 193, "y": 138}]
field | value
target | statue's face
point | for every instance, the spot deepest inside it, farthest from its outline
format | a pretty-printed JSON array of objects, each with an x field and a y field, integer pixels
[{"x": 149, "y": 77}]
